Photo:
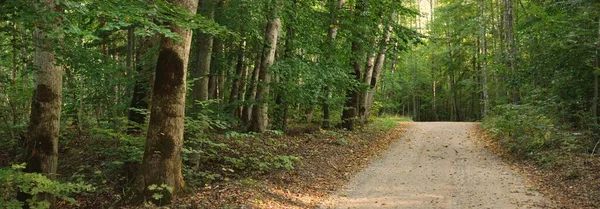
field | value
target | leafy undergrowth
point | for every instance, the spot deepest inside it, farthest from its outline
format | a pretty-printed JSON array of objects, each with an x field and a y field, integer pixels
[
  {"x": 570, "y": 179},
  {"x": 229, "y": 169},
  {"x": 328, "y": 160}
]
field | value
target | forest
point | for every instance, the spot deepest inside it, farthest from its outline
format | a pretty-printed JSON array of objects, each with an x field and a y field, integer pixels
[{"x": 146, "y": 103}]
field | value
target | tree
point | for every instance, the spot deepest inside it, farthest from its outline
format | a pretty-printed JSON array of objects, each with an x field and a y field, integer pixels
[
  {"x": 334, "y": 7},
  {"x": 351, "y": 106},
  {"x": 162, "y": 162},
  {"x": 204, "y": 46},
  {"x": 369, "y": 96},
  {"x": 260, "y": 119},
  {"x": 44, "y": 123},
  {"x": 486, "y": 97}
]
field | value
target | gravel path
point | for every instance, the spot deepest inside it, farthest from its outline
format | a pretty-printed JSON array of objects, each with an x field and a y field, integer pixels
[{"x": 437, "y": 165}]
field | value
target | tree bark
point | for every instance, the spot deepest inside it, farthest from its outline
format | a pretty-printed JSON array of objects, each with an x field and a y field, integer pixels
[
  {"x": 511, "y": 48},
  {"x": 351, "y": 105},
  {"x": 332, "y": 31},
  {"x": 237, "y": 80},
  {"x": 362, "y": 111},
  {"x": 44, "y": 124},
  {"x": 597, "y": 65},
  {"x": 377, "y": 70},
  {"x": 130, "y": 47},
  {"x": 213, "y": 78},
  {"x": 221, "y": 85},
  {"x": 162, "y": 162},
  {"x": 242, "y": 92},
  {"x": 204, "y": 45},
  {"x": 251, "y": 92},
  {"x": 260, "y": 118},
  {"x": 486, "y": 97}
]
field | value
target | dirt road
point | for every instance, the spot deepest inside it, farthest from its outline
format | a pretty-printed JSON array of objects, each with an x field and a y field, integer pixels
[{"x": 437, "y": 165}]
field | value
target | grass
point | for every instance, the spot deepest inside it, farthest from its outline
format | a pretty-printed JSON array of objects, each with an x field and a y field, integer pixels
[{"x": 388, "y": 122}]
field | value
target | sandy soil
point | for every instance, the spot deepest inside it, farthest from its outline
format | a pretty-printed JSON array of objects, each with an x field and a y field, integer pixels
[{"x": 438, "y": 165}]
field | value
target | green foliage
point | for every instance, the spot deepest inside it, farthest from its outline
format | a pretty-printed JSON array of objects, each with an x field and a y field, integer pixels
[
  {"x": 529, "y": 131},
  {"x": 230, "y": 155},
  {"x": 13, "y": 180},
  {"x": 389, "y": 122},
  {"x": 527, "y": 127},
  {"x": 130, "y": 149},
  {"x": 159, "y": 190}
]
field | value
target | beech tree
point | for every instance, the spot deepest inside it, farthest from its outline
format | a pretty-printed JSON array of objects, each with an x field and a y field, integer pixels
[
  {"x": 44, "y": 123},
  {"x": 204, "y": 45},
  {"x": 162, "y": 162},
  {"x": 260, "y": 118}
]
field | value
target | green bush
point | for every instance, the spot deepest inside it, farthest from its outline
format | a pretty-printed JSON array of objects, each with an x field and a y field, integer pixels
[
  {"x": 209, "y": 156},
  {"x": 527, "y": 131},
  {"x": 14, "y": 179}
]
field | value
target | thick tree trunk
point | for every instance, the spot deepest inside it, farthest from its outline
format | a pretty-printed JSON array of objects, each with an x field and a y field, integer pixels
[
  {"x": 161, "y": 164},
  {"x": 260, "y": 110},
  {"x": 204, "y": 54},
  {"x": 141, "y": 89},
  {"x": 44, "y": 124},
  {"x": 351, "y": 105}
]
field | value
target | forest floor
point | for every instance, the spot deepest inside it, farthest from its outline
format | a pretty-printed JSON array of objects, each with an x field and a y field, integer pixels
[
  {"x": 327, "y": 164},
  {"x": 384, "y": 164},
  {"x": 438, "y": 165}
]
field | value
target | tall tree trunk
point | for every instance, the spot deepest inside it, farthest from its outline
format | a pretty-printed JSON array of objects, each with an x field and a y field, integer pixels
[
  {"x": 511, "y": 48},
  {"x": 377, "y": 70},
  {"x": 242, "y": 92},
  {"x": 215, "y": 68},
  {"x": 44, "y": 123},
  {"x": 486, "y": 97},
  {"x": 204, "y": 54},
  {"x": 280, "y": 119},
  {"x": 221, "y": 85},
  {"x": 251, "y": 92},
  {"x": 351, "y": 105},
  {"x": 335, "y": 6},
  {"x": 237, "y": 80},
  {"x": 141, "y": 89},
  {"x": 130, "y": 47},
  {"x": 260, "y": 118},
  {"x": 362, "y": 110},
  {"x": 281, "y": 104},
  {"x": 597, "y": 65},
  {"x": 161, "y": 164},
  {"x": 350, "y": 111}
]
